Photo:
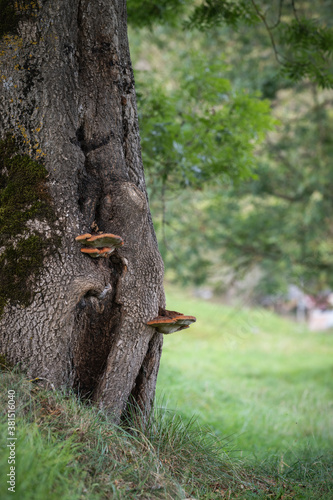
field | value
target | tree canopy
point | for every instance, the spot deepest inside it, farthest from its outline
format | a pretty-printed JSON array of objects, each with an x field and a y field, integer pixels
[
  {"x": 299, "y": 34},
  {"x": 235, "y": 124}
]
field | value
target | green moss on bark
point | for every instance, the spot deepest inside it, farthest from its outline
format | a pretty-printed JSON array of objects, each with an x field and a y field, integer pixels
[
  {"x": 8, "y": 19},
  {"x": 23, "y": 197},
  {"x": 4, "y": 364},
  {"x": 12, "y": 12}
]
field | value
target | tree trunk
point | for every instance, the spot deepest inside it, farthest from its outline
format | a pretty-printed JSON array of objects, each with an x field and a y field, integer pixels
[{"x": 67, "y": 98}]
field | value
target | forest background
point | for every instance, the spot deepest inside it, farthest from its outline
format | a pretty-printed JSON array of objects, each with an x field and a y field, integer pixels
[
  {"x": 236, "y": 129},
  {"x": 235, "y": 108}
]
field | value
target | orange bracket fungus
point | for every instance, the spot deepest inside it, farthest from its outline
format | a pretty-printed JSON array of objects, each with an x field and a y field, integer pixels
[
  {"x": 97, "y": 252},
  {"x": 99, "y": 245},
  {"x": 171, "y": 321}
]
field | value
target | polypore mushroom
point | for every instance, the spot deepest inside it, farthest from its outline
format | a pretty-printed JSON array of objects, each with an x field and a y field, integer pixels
[
  {"x": 180, "y": 318},
  {"x": 97, "y": 252},
  {"x": 104, "y": 252},
  {"x": 163, "y": 324},
  {"x": 83, "y": 238},
  {"x": 100, "y": 240},
  {"x": 92, "y": 252},
  {"x": 171, "y": 321},
  {"x": 105, "y": 240},
  {"x": 103, "y": 243},
  {"x": 185, "y": 320}
]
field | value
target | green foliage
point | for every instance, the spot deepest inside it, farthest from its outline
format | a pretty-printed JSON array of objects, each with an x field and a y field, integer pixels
[
  {"x": 302, "y": 44},
  {"x": 223, "y": 221},
  {"x": 278, "y": 223},
  {"x": 309, "y": 46},
  {"x": 210, "y": 13},
  {"x": 146, "y": 13},
  {"x": 299, "y": 36},
  {"x": 196, "y": 130},
  {"x": 307, "y": 34},
  {"x": 200, "y": 130},
  {"x": 23, "y": 198},
  {"x": 282, "y": 220}
]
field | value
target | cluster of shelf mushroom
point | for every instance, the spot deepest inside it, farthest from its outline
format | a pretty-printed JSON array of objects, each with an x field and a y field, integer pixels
[
  {"x": 99, "y": 245},
  {"x": 102, "y": 245},
  {"x": 171, "y": 321}
]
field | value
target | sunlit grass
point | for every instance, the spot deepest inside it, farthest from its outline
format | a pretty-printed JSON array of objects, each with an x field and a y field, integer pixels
[
  {"x": 262, "y": 380},
  {"x": 249, "y": 375},
  {"x": 68, "y": 449}
]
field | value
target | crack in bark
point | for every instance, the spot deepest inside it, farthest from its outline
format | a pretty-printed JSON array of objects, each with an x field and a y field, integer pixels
[
  {"x": 90, "y": 185},
  {"x": 142, "y": 395},
  {"x": 97, "y": 320},
  {"x": 88, "y": 146}
]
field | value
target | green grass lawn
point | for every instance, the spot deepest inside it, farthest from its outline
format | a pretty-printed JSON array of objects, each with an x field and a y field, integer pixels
[
  {"x": 263, "y": 382},
  {"x": 260, "y": 382}
]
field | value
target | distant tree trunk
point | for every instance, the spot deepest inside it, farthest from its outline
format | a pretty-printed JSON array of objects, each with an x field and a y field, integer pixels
[{"x": 67, "y": 98}]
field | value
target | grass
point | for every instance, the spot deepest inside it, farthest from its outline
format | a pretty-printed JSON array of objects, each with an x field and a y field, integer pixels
[
  {"x": 247, "y": 374},
  {"x": 67, "y": 448},
  {"x": 262, "y": 380}
]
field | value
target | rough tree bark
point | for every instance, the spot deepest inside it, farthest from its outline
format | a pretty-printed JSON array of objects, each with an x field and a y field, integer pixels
[{"x": 67, "y": 103}]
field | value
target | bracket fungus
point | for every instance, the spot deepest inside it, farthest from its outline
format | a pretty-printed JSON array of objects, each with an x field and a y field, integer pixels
[
  {"x": 97, "y": 252},
  {"x": 99, "y": 245},
  {"x": 171, "y": 321}
]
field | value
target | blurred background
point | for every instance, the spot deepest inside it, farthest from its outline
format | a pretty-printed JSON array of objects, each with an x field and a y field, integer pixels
[{"x": 236, "y": 121}]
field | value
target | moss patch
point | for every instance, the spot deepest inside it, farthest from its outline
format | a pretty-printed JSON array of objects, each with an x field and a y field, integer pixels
[
  {"x": 12, "y": 12},
  {"x": 4, "y": 364},
  {"x": 23, "y": 197},
  {"x": 23, "y": 194}
]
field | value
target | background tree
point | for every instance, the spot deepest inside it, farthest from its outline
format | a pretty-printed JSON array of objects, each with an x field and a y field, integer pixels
[{"x": 219, "y": 227}]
